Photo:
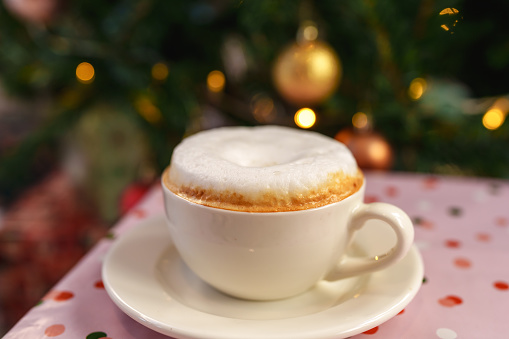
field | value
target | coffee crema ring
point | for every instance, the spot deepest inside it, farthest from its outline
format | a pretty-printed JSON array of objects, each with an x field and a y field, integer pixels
[{"x": 262, "y": 169}]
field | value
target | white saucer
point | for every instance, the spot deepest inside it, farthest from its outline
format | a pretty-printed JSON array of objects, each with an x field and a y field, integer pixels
[{"x": 145, "y": 277}]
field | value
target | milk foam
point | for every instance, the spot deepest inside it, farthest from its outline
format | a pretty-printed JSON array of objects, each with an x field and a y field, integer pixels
[{"x": 262, "y": 168}]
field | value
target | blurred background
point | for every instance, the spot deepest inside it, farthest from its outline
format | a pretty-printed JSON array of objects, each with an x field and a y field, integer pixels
[{"x": 94, "y": 95}]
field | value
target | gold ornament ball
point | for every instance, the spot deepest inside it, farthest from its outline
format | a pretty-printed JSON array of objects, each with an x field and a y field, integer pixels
[
  {"x": 307, "y": 73},
  {"x": 370, "y": 149}
]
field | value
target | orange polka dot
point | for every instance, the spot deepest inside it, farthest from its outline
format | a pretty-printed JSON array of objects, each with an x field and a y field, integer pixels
[
  {"x": 54, "y": 330},
  {"x": 139, "y": 213},
  {"x": 401, "y": 312},
  {"x": 483, "y": 237},
  {"x": 391, "y": 191},
  {"x": 63, "y": 296},
  {"x": 99, "y": 284},
  {"x": 430, "y": 182},
  {"x": 371, "y": 331},
  {"x": 427, "y": 224},
  {"x": 451, "y": 243},
  {"x": 450, "y": 301},
  {"x": 501, "y": 285},
  {"x": 501, "y": 221},
  {"x": 371, "y": 198},
  {"x": 462, "y": 263}
]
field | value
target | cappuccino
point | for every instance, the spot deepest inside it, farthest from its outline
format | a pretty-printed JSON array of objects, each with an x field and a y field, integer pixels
[{"x": 262, "y": 169}]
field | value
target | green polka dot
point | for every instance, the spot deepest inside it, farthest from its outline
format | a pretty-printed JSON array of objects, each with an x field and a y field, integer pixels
[
  {"x": 424, "y": 280},
  {"x": 110, "y": 235},
  {"x": 417, "y": 220},
  {"x": 96, "y": 335},
  {"x": 455, "y": 211}
]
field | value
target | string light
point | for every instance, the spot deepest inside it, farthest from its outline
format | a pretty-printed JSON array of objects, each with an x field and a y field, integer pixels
[
  {"x": 495, "y": 116},
  {"x": 493, "y": 119},
  {"x": 453, "y": 13},
  {"x": 215, "y": 81},
  {"x": 148, "y": 110},
  {"x": 305, "y": 118},
  {"x": 85, "y": 73},
  {"x": 360, "y": 120},
  {"x": 160, "y": 71},
  {"x": 417, "y": 88}
]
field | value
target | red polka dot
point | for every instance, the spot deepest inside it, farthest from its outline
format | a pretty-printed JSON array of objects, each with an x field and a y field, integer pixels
[
  {"x": 450, "y": 301},
  {"x": 501, "y": 221},
  {"x": 427, "y": 224},
  {"x": 391, "y": 191},
  {"x": 430, "y": 182},
  {"x": 451, "y": 243},
  {"x": 63, "y": 296},
  {"x": 99, "y": 284},
  {"x": 371, "y": 198},
  {"x": 371, "y": 331},
  {"x": 462, "y": 263},
  {"x": 501, "y": 285},
  {"x": 139, "y": 213},
  {"x": 483, "y": 237},
  {"x": 401, "y": 312},
  {"x": 54, "y": 330}
]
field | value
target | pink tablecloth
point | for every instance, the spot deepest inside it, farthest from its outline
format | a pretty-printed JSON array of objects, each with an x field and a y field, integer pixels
[{"x": 462, "y": 231}]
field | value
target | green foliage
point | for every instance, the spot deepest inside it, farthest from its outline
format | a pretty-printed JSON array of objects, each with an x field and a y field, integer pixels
[{"x": 383, "y": 45}]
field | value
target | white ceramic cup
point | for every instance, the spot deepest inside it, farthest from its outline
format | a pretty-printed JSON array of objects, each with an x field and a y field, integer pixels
[{"x": 266, "y": 256}]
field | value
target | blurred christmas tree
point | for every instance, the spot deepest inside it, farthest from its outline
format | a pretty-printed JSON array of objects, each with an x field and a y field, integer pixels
[{"x": 408, "y": 85}]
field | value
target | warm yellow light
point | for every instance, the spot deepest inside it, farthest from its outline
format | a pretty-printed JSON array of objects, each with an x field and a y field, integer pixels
[
  {"x": 310, "y": 33},
  {"x": 444, "y": 27},
  {"x": 160, "y": 71},
  {"x": 148, "y": 110},
  {"x": 215, "y": 81},
  {"x": 378, "y": 151},
  {"x": 449, "y": 11},
  {"x": 417, "y": 88},
  {"x": 493, "y": 119},
  {"x": 305, "y": 118},
  {"x": 360, "y": 120},
  {"x": 85, "y": 73}
]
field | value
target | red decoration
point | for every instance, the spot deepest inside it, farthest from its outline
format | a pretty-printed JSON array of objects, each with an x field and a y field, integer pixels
[
  {"x": 132, "y": 195},
  {"x": 450, "y": 301},
  {"x": 370, "y": 149}
]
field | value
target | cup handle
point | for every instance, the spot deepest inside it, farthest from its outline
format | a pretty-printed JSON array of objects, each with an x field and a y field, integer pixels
[{"x": 390, "y": 215}]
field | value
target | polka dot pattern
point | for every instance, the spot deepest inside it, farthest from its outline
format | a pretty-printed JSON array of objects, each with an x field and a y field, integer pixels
[
  {"x": 501, "y": 285},
  {"x": 446, "y": 333},
  {"x": 452, "y": 243},
  {"x": 462, "y": 263},
  {"x": 371, "y": 331},
  {"x": 461, "y": 231},
  {"x": 450, "y": 301},
  {"x": 54, "y": 330}
]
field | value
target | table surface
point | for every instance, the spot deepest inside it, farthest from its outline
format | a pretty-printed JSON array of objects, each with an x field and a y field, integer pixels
[{"x": 461, "y": 230}]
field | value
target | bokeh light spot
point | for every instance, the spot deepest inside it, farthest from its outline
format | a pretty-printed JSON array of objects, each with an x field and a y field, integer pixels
[
  {"x": 160, "y": 71},
  {"x": 215, "y": 81},
  {"x": 417, "y": 88},
  {"x": 305, "y": 118},
  {"x": 360, "y": 120},
  {"x": 85, "y": 73},
  {"x": 493, "y": 119}
]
